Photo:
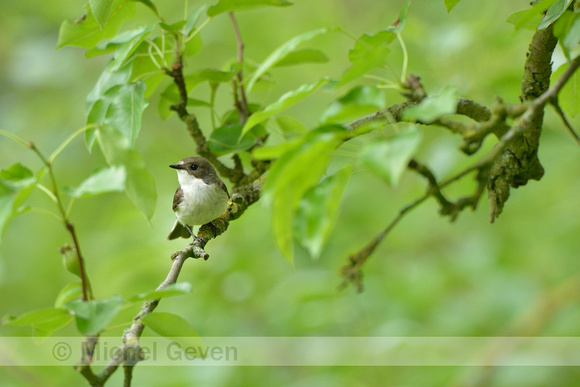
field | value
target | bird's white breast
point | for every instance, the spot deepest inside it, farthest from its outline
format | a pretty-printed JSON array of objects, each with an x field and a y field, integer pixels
[{"x": 201, "y": 202}]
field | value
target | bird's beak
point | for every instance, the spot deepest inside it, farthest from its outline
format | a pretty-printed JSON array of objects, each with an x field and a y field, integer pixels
[{"x": 176, "y": 166}]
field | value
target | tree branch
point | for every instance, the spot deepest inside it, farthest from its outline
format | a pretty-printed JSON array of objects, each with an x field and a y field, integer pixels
[
  {"x": 519, "y": 162},
  {"x": 193, "y": 128},
  {"x": 352, "y": 271},
  {"x": 493, "y": 121},
  {"x": 130, "y": 353},
  {"x": 512, "y": 168}
]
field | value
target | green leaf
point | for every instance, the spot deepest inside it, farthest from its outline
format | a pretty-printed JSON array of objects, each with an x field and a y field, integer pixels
[
  {"x": 93, "y": 316},
  {"x": 121, "y": 107},
  {"x": 167, "y": 98},
  {"x": 16, "y": 184},
  {"x": 149, "y": 4},
  {"x": 388, "y": 159},
  {"x": 192, "y": 20},
  {"x": 318, "y": 211},
  {"x": 274, "y": 151},
  {"x": 282, "y": 52},
  {"x": 369, "y": 52},
  {"x": 70, "y": 260},
  {"x": 282, "y": 217},
  {"x": 530, "y": 18},
  {"x": 125, "y": 49},
  {"x": 285, "y": 151},
  {"x": 174, "y": 27},
  {"x": 44, "y": 321},
  {"x": 102, "y": 180},
  {"x": 291, "y": 127},
  {"x": 226, "y": 139},
  {"x": 110, "y": 45},
  {"x": 308, "y": 55},
  {"x": 213, "y": 75},
  {"x": 176, "y": 289},
  {"x": 450, "y": 4},
  {"x": 290, "y": 177},
  {"x": 572, "y": 38},
  {"x": 107, "y": 81},
  {"x": 193, "y": 45},
  {"x": 242, "y": 5},
  {"x": 286, "y": 101},
  {"x": 86, "y": 31},
  {"x": 139, "y": 184},
  {"x": 100, "y": 98},
  {"x": 145, "y": 70},
  {"x": 402, "y": 20},
  {"x": 35, "y": 317},
  {"x": 17, "y": 176},
  {"x": 70, "y": 292},
  {"x": 569, "y": 97},
  {"x": 140, "y": 188},
  {"x": 125, "y": 110},
  {"x": 433, "y": 107},
  {"x": 177, "y": 329},
  {"x": 553, "y": 13},
  {"x": 101, "y": 10},
  {"x": 567, "y": 30},
  {"x": 357, "y": 102}
]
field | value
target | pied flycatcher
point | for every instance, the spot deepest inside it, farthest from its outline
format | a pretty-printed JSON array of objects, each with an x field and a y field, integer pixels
[{"x": 201, "y": 197}]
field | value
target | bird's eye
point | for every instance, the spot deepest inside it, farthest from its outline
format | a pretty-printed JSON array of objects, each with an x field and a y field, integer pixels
[{"x": 194, "y": 167}]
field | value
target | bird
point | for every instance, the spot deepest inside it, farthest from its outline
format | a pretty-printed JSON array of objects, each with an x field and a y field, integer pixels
[{"x": 200, "y": 198}]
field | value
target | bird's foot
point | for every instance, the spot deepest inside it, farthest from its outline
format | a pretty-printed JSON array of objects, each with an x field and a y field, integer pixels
[{"x": 200, "y": 240}]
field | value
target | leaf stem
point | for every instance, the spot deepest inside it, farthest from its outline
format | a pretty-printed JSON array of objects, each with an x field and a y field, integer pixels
[
  {"x": 69, "y": 139},
  {"x": 152, "y": 56},
  {"x": 46, "y": 212},
  {"x": 197, "y": 30},
  {"x": 405, "y": 57},
  {"x": 15, "y": 138},
  {"x": 48, "y": 192}
]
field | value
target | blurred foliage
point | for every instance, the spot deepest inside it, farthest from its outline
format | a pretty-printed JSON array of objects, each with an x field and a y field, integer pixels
[{"x": 428, "y": 278}]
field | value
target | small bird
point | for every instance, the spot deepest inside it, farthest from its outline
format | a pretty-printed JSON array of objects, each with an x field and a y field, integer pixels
[{"x": 201, "y": 197}]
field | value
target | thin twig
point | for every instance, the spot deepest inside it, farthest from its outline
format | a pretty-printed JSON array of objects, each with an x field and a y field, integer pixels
[
  {"x": 433, "y": 185},
  {"x": 243, "y": 104},
  {"x": 566, "y": 122},
  {"x": 352, "y": 271},
  {"x": 68, "y": 225}
]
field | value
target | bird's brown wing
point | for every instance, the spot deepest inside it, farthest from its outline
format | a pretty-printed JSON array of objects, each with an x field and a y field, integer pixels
[
  {"x": 223, "y": 186},
  {"x": 178, "y": 229},
  {"x": 177, "y": 198}
]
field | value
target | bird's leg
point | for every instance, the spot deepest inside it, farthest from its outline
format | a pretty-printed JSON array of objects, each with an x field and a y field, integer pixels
[
  {"x": 214, "y": 228},
  {"x": 195, "y": 237}
]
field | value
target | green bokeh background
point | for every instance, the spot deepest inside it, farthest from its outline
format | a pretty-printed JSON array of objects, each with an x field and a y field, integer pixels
[{"x": 428, "y": 278}]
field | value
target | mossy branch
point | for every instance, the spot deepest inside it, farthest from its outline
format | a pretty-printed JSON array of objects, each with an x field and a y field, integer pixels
[{"x": 498, "y": 170}]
